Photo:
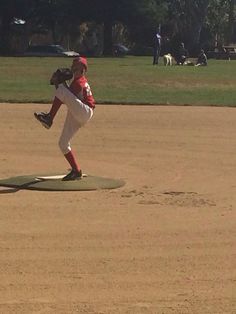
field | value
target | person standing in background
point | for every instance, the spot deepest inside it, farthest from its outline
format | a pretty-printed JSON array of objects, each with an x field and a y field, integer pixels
[{"x": 156, "y": 48}]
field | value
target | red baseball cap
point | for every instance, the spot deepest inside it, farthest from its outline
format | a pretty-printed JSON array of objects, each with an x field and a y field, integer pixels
[{"x": 81, "y": 60}]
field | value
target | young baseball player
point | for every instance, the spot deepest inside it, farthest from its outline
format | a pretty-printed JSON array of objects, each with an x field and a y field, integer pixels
[{"x": 80, "y": 106}]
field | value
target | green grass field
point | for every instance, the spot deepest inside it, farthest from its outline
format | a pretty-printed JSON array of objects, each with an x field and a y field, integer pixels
[{"x": 132, "y": 80}]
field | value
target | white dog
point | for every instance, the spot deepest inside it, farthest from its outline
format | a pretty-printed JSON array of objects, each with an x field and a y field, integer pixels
[{"x": 168, "y": 59}]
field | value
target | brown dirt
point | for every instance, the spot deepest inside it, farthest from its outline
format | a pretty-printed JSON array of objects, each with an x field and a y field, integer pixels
[{"x": 163, "y": 243}]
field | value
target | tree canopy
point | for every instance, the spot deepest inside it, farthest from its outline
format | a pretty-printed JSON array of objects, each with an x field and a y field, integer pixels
[{"x": 196, "y": 22}]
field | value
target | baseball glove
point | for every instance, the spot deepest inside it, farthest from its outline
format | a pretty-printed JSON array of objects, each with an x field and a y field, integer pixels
[{"x": 61, "y": 76}]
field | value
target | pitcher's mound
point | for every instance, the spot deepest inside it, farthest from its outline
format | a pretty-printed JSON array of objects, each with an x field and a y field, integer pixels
[{"x": 55, "y": 183}]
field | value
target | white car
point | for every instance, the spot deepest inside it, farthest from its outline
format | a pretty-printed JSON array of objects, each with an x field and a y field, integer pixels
[{"x": 49, "y": 51}]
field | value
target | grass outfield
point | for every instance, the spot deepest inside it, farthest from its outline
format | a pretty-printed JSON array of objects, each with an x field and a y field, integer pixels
[{"x": 124, "y": 80}]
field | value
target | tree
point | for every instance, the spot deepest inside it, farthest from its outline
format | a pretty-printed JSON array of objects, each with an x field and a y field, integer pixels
[
  {"x": 230, "y": 31},
  {"x": 187, "y": 19},
  {"x": 181, "y": 20},
  {"x": 51, "y": 16},
  {"x": 220, "y": 21},
  {"x": 9, "y": 11},
  {"x": 143, "y": 20},
  {"x": 133, "y": 13}
]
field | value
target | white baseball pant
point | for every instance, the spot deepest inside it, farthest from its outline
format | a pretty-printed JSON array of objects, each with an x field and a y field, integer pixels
[{"x": 78, "y": 114}]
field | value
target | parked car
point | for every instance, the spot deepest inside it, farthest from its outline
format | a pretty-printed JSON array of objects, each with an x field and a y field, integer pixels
[
  {"x": 120, "y": 50},
  {"x": 49, "y": 51}
]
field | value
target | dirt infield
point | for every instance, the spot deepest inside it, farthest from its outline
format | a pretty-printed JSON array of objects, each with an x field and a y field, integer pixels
[{"x": 163, "y": 243}]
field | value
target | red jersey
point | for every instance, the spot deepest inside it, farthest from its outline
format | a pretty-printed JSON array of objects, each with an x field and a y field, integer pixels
[{"x": 81, "y": 88}]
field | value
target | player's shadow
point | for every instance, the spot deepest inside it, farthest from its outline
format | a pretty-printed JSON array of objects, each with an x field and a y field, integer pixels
[{"x": 14, "y": 189}]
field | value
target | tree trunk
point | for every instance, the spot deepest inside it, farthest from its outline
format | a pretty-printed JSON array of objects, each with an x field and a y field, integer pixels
[
  {"x": 196, "y": 19},
  {"x": 194, "y": 38},
  {"x": 231, "y": 22},
  {"x": 108, "y": 38},
  {"x": 5, "y": 35}
]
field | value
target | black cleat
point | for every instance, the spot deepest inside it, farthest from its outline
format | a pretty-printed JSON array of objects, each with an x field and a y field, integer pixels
[
  {"x": 73, "y": 175},
  {"x": 44, "y": 118}
]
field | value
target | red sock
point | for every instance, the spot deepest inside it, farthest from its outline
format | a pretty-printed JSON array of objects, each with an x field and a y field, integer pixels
[
  {"x": 55, "y": 107},
  {"x": 71, "y": 159}
]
